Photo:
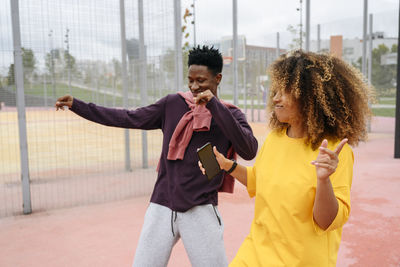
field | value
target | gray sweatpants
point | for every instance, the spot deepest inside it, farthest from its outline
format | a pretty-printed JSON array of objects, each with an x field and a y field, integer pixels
[{"x": 201, "y": 229}]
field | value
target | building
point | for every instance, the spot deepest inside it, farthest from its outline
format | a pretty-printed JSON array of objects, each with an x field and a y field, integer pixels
[
  {"x": 253, "y": 62},
  {"x": 352, "y": 48}
]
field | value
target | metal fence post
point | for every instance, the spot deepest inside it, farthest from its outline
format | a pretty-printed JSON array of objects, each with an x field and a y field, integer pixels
[
  {"x": 278, "y": 50},
  {"x": 124, "y": 80},
  {"x": 235, "y": 54},
  {"x": 307, "y": 25},
  {"x": 397, "y": 116},
  {"x": 364, "y": 44},
  {"x": 178, "y": 46},
  {"x": 369, "y": 72},
  {"x": 370, "y": 38},
  {"x": 143, "y": 79},
  {"x": 318, "y": 37},
  {"x": 19, "y": 82}
]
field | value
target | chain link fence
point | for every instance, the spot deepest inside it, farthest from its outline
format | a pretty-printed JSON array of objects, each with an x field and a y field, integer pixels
[{"x": 74, "y": 47}]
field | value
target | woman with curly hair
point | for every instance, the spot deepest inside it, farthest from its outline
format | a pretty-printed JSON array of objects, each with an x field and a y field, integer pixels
[{"x": 302, "y": 176}]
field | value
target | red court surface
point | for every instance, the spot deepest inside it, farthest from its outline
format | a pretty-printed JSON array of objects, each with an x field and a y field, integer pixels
[{"x": 107, "y": 234}]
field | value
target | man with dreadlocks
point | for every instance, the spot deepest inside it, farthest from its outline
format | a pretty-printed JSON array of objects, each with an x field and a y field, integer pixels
[
  {"x": 183, "y": 202},
  {"x": 302, "y": 175}
]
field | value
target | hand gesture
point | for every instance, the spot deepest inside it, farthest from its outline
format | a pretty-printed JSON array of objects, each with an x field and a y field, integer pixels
[
  {"x": 203, "y": 97},
  {"x": 327, "y": 160},
  {"x": 224, "y": 163},
  {"x": 66, "y": 100}
]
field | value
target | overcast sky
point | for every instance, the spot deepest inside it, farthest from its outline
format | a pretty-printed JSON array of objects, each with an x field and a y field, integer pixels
[
  {"x": 259, "y": 20},
  {"x": 98, "y": 36}
]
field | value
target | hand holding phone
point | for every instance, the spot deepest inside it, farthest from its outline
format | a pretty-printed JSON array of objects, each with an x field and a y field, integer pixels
[{"x": 208, "y": 160}]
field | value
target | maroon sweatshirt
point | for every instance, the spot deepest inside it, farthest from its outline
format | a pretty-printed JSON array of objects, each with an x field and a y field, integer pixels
[{"x": 180, "y": 184}]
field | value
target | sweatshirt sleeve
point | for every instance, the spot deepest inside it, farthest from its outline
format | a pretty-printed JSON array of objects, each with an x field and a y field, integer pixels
[
  {"x": 233, "y": 124},
  {"x": 146, "y": 118}
]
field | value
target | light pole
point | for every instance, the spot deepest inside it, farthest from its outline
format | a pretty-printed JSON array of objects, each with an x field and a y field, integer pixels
[
  {"x": 194, "y": 23},
  {"x": 307, "y": 25},
  {"x": 300, "y": 9}
]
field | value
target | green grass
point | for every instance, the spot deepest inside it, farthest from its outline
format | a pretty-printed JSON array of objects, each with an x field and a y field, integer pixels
[
  {"x": 384, "y": 112},
  {"x": 389, "y": 101},
  {"x": 93, "y": 96},
  {"x": 81, "y": 93}
]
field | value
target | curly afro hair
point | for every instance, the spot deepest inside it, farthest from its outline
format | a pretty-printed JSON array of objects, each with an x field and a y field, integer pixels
[
  {"x": 206, "y": 56},
  {"x": 332, "y": 96}
]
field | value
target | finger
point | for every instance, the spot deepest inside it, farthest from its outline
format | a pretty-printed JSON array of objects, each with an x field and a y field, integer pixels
[
  {"x": 324, "y": 160},
  {"x": 328, "y": 152},
  {"x": 61, "y": 104},
  {"x": 324, "y": 165},
  {"x": 216, "y": 152},
  {"x": 57, "y": 106},
  {"x": 199, "y": 163},
  {"x": 201, "y": 167},
  {"x": 340, "y": 146},
  {"x": 63, "y": 98},
  {"x": 198, "y": 99},
  {"x": 324, "y": 143},
  {"x": 208, "y": 92},
  {"x": 220, "y": 157}
]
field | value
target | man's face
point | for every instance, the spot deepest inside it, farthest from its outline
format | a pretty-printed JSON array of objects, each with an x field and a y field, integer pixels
[{"x": 200, "y": 79}]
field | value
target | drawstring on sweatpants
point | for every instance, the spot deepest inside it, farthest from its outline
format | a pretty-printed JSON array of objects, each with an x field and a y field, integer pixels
[
  {"x": 216, "y": 214},
  {"x": 173, "y": 220}
]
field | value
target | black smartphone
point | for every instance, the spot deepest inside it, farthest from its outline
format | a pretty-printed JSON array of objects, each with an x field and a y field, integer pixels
[{"x": 208, "y": 160}]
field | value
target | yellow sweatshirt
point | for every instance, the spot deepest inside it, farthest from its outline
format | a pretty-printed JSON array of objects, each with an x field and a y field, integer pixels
[{"x": 283, "y": 181}]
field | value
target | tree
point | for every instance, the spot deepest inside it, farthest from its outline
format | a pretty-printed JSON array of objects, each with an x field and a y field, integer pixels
[
  {"x": 382, "y": 75},
  {"x": 58, "y": 61},
  {"x": 185, "y": 59},
  {"x": 69, "y": 61},
  {"x": 10, "y": 76},
  {"x": 28, "y": 61},
  {"x": 117, "y": 70},
  {"x": 296, "y": 41},
  {"x": 51, "y": 58},
  {"x": 185, "y": 34},
  {"x": 29, "y": 64},
  {"x": 167, "y": 63}
]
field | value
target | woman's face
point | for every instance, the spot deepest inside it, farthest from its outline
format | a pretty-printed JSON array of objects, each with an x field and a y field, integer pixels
[
  {"x": 200, "y": 79},
  {"x": 286, "y": 108}
]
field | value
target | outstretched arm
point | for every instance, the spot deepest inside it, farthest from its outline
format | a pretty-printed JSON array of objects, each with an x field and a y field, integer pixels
[
  {"x": 146, "y": 118},
  {"x": 326, "y": 205}
]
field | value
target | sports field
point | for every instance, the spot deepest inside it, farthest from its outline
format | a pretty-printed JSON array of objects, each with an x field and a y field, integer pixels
[
  {"x": 107, "y": 234},
  {"x": 72, "y": 161}
]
